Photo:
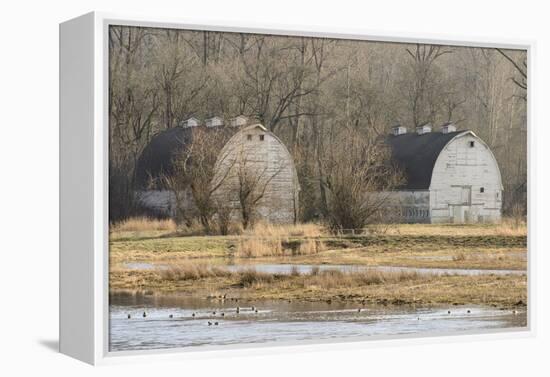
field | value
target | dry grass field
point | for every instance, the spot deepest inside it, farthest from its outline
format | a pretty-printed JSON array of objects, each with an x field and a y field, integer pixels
[{"x": 194, "y": 264}]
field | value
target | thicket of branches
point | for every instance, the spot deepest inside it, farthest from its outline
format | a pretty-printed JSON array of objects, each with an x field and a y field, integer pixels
[
  {"x": 359, "y": 175},
  {"x": 316, "y": 94},
  {"x": 194, "y": 176}
]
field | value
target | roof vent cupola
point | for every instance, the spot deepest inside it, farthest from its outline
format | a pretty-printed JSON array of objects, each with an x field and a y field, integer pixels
[
  {"x": 448, "y": 128},
  {"x": 239, "y": 121},
  {"x": 424, "y": 129},
  {"x": 191, "y": 122},
  {"x": 398, "y": 130},
  {"x": 214, "y": 122}
]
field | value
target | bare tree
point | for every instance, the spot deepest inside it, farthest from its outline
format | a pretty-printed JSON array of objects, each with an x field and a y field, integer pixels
[
  {"x": 359, "y": 179},
  {"x": 420, "y": 87},
  {"x": 224, "y": 214},
  {"x": 252, "y": 183},
  {"x": 193, "y": 180},
  {"x": 305, "y": 90},
  {"x": 276, "y": 78},
  {"x": 133, "y": 103},
  {"x": 179, "y": 77},
  {"x": 520, "y": 66}
]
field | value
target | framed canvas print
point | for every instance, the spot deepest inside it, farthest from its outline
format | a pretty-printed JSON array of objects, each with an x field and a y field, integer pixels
[{"x": 229, "y": 187}]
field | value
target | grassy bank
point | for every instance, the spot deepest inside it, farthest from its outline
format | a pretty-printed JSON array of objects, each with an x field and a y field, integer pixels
[
  {"x": 369, "y": 286},
  {"x": 193, "y": 264},
  {"x": 420, "y": 245}
]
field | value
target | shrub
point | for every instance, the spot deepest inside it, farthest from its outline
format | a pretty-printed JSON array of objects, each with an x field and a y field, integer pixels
[
  {"x": 252, "y": 277},
  {"x": 255, "y": 247}
]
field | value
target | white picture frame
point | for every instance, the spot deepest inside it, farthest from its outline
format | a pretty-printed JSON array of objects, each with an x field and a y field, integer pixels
[{"x": 84, "y": 188}]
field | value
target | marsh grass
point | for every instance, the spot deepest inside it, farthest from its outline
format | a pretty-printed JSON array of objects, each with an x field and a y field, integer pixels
[
  {"x": 194, "y": 228},
  {"x": 192, "y": 271},
  {"x": 328, "y": 279},
  {"x": 511, "y": 227},
  {"x": 396, "y": 287},
  {"x": 270, "y": 240},
  {"x": 507, "y": 227},
  {"x": 479, "y": 246},
  {"x": 277, "y": 247},
  {"x": 256, "y": 247},
  {"x": 460, "y": 257},
  {"x": 144, "y": 224},
  {"x": 331, "y": 279},
  {"x": 251, "y": 277},
  {"x": 310, "y": 247},
  {"x": 265, "y": 230},
  {"x": 195, "y": 262},
  {"x": 325, "y": 280}
]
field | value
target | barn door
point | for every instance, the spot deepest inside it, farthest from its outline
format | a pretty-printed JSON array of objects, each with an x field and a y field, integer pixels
[
  {"x": 466, "y": 195},
  {"x": 457, "y": 214}
]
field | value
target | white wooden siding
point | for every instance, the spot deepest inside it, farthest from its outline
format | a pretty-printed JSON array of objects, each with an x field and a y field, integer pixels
[
  {"x": 459, "y": 174},
  {"x": 270, "y": 158}
]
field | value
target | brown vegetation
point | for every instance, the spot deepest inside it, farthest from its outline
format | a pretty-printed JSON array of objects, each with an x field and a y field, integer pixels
[
  {"x": 195, "y": 265},
  {"x": 143, "y": 224},
  {"x": 367, "y": 286},
  {"x": 277, "y": 247},
  {"x": 191, "y": 271},
  {"x": 268, "y": 240},
  {"x": 267, "y": 230},
  {"x": 480, "y": 246}
]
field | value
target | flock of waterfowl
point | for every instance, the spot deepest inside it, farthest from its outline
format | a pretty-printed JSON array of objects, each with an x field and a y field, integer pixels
[
  {"x": 238, "y": 309},
  {"x": 255, "y": 310}
]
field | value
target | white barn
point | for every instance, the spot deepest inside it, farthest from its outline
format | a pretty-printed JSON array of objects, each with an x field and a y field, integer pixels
[
  {"x": 262, "y": 152},
  {"x": 450, "y": 176},
  {"x": 269, "y": 166}
]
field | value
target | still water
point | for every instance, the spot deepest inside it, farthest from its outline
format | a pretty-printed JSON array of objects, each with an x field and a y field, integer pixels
[
  {"x": 307, "y": 268},
  {"x": 286, "y": 269},
  {"x": 276, "y": 321}
]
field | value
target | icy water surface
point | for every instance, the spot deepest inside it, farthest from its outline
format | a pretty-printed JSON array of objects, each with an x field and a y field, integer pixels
[{"x": 277, "y": 321}]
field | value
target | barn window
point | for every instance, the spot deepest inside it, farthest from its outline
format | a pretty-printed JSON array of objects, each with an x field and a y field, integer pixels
[
  {"x": 262, "y": 137},
  {"x": 472, "y": 143},
  {"x": 482, "y": 189},
  {"x": 248, "y": 137}
]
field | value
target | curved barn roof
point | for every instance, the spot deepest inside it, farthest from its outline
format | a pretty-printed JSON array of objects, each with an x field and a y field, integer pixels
[
  {"x": 416, "y": 155},
  {"x": 157, "y": 157}
]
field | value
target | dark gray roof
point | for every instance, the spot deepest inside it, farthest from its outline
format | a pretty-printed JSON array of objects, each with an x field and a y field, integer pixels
[
  {"x": 416, "y": 155},
  {"x": 158, "y": 156}
]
